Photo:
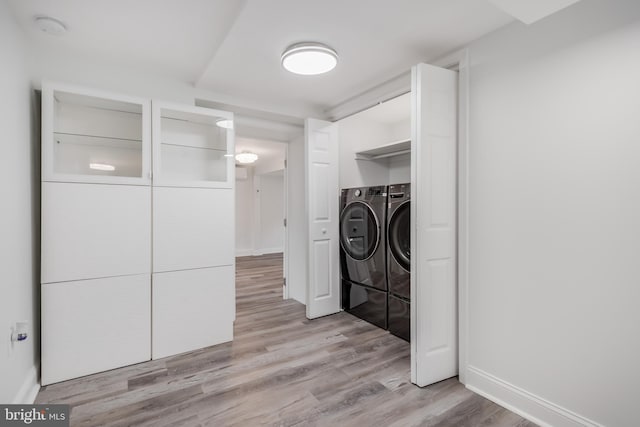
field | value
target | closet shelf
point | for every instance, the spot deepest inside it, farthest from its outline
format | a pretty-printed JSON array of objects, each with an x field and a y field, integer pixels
[
  {"x": 392, "y": 149},
  {"x": 96, "y": 140},
  {"x": 171, "y": 144}
]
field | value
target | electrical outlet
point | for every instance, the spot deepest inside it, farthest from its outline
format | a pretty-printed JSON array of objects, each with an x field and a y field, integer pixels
[
  {"x": 20, "y": 331},
  {"x": 17, "y": 334}
]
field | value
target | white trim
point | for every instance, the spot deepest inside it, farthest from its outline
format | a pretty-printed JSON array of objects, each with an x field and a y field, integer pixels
[
  {"x": 385, "y": 91},
  {"x": 285, "y": 249},
  {"x": 258, "y": 252},
  {"x": 526, "y": 404},
  {"x": 29, "y": 389},
  {"x": 244, "y": 252},
  {"x": 266, "y": 251}
]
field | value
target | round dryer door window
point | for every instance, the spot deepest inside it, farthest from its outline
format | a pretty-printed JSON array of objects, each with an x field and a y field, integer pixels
[
  {"x": 400, "y": 235},
  {"x": 359, "y": 231}
]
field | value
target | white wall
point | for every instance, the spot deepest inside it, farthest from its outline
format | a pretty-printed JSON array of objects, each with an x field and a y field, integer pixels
[
  {"x": 52, "y": 65},
  {"x": 554, "y": 232},
  {"x": 19, "y": 217},
  {"x": 271, "y": 239},
  {"x": 358, "y": 134},
  {"x": 245, "y": 196},
  {"x": 296, "y": 222},
  {"x": 260, "y": 214},
  {"x": 265, "y": 166},
  {"x": 400, "y": 166},
  {"x": 400, "y": 169},
  {"x": 402, "y": 129}
]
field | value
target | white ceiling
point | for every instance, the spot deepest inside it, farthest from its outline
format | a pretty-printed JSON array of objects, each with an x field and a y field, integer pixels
[
  {"x": 375, "y": 39},
  {"x": 529, "y": 11},
  {"x": 233, "y": 47}
]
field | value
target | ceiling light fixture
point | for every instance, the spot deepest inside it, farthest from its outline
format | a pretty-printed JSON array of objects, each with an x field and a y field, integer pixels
[
  {"x": 246, "y": 157},
  {"x": 102, "y": 167},
  {"x": 225, "y": 124},
  {"x": 309, "y": 58},
  {"x": 50, "y": 25}
]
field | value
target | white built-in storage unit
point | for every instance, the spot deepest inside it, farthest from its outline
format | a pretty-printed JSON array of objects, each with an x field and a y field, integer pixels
[
  {"x": 193, "y": 229},
  {"x": 96, "y": 268},
  {"x": 96, "y": 232}
]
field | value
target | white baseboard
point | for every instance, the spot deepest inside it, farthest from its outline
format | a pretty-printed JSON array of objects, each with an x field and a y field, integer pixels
[
  {"x": 258, "y": 252},
  {"x": 29, "y": 389},
  {"x": 244, "y": 252},
  {"x": 523, "y": 403},
  {"x": 265, "y": 251}
]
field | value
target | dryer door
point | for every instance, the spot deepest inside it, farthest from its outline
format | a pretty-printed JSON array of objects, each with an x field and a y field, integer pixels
[
  {"x": 359, "y": 231},
  {"x": 400, "y": 235}
]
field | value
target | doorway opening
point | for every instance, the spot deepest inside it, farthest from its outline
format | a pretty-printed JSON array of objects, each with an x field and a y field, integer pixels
[{"x": 261, "y": 200}]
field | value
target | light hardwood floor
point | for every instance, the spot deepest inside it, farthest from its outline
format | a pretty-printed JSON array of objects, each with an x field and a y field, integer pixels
[{"x": 281, "y": 370}]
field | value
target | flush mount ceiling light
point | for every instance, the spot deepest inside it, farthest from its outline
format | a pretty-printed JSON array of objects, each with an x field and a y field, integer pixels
[
  {"x": 50, "y": 25},
  {"x": 246, "y": 157},
  {"x": 225, "y": 124},
  {"x": 309, "y": 58}
]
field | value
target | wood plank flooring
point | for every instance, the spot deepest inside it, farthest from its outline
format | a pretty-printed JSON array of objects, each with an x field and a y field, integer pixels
[{"x": 280, "y": 370}]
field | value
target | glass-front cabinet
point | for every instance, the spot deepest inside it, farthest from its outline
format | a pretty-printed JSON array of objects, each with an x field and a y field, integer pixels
[
  {"x": 94, "y": 137},
  {"x": 192, "y": 146}
]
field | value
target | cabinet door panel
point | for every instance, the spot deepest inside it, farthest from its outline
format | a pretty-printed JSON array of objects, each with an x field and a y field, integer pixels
[
  {"x": 192, "y": 146},
  {"x": 192, "y": 228},
  {"x": 93, "y": 136},
  {"x": 94, "y": 230},
  {"x": 91, "y": 326},
  {"x": 192, "y": 309}
]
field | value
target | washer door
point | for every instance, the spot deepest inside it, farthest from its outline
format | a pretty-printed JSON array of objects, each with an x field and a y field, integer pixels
[
  {"x": 359, "y": 231},
  {"x": 400, "y": 235}
]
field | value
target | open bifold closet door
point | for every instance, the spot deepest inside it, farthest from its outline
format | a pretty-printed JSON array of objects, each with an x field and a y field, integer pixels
[
  {"x": 322, "y": 191},
  {"x": 434, "y": 328}
]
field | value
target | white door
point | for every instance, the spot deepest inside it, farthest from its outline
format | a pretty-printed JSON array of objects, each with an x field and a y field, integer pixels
[
  {"x": 434, "y": 338},
  {"x": 322, "y": 194}
]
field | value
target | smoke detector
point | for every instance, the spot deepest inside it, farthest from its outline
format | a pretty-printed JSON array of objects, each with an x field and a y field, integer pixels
[{"x": 50, "y": 25}]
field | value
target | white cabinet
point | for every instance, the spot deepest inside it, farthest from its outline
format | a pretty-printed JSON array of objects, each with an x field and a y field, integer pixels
[
  {"x": 98, "y": 221},
  {"x": 192, "y": 147},
  {"x": 94, "y": 137},
  {"x": 192, "y": 228},
  {"x": 192, "y": 309},
  {"x": 94, "y": 325},
  {"x": 97, "y": 230}
]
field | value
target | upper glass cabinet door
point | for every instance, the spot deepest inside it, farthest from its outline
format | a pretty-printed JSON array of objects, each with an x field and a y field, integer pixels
[
  {"x": 192, "y": 146},
  {"x": 95, "y": 137}
]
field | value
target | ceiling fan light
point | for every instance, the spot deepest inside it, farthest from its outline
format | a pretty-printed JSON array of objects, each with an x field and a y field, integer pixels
[
  {"x": 309, "y": 58},
  {"x": 246, "y": 157}
]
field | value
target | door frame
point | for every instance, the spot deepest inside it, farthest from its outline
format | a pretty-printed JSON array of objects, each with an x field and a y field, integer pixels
[{"x": 285, "y": 254}]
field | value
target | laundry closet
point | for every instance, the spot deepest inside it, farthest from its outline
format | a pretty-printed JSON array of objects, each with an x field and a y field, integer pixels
[
  {"x": 365, "y": 153},
  {"x": 375, "y": 175}
]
